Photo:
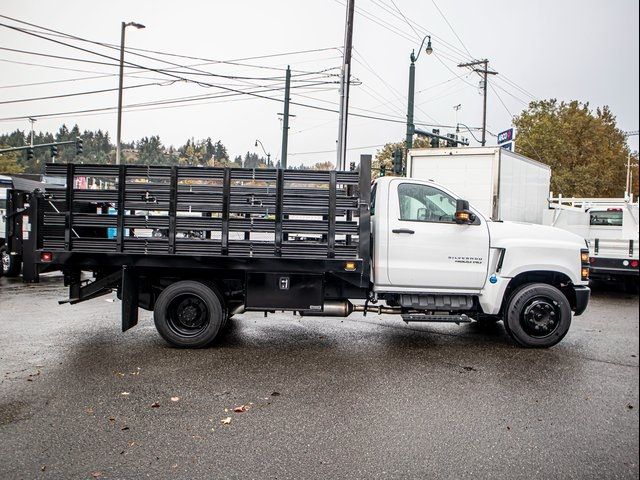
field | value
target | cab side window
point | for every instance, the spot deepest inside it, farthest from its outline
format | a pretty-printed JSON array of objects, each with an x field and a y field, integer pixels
[{"x": 423, "y": 203}]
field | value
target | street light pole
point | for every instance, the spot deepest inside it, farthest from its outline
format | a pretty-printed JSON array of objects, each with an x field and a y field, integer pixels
[
  {"x": 412, "y": 86},
  {"x": 120, "y": 85},
  {"x": 265, "y": 152}
]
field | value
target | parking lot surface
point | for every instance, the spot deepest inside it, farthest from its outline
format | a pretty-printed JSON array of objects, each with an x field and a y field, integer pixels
[{"x": 360, "y": 397}]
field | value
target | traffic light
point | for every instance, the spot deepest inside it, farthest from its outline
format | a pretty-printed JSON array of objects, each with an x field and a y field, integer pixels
[
  {"x": 383, "y": 170},
  {"x": 452, "y": 142},
  {"x": 435, "y": 142},
  {"x": 54, "y": 151},
  {"x": 352, "y": 166},
  {"x": 79, "y": 146},
  {"x": 29, "y": 154},
  {"x": 397, "y": 162}
]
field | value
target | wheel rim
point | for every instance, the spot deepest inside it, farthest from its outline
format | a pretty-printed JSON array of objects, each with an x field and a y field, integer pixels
[
  {"x": 540, "y": 317},
  {"x": 6, "y": 261},
  {"x": 188, "y": 315}
]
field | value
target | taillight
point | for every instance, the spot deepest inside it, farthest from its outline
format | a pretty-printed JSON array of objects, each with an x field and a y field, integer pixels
[
  {"x": 46, "y": 257},
  {"x": 634, "y": 263}
]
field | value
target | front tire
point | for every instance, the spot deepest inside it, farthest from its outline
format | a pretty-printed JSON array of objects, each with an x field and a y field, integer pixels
[
  {"x": 189, "y": 314},
  {"x": 537, "y": 316}
]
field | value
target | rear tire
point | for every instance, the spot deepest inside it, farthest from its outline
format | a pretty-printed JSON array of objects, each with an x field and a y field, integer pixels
[
  {"x": 11, "y": 264},
  {"x": 537, "y": 316},
  {"x": 189, "y": 314}
]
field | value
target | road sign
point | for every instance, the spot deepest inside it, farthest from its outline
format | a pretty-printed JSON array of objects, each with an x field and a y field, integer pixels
[
  {"x": 507, "y": 146},
  {"x": 505, "y": 136}
]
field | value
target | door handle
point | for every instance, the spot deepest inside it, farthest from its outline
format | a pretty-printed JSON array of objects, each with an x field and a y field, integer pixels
[{"x": 402, "y": 230}]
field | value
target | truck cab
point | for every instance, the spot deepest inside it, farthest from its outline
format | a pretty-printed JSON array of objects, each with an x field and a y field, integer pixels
[{"x": 427, "y": 251}]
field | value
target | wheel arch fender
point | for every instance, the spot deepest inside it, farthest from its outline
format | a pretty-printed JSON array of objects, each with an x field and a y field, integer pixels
[{"x": 555, "y": 278}]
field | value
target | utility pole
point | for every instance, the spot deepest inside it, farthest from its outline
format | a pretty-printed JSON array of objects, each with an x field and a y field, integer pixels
[
  {"x": 629, "y": 182},
  {"x": 285, "y": 120},
  {"x": 344, "y": 87},
  {"x": 485, "y": 72},
  {"x": 32, "y": 121}
]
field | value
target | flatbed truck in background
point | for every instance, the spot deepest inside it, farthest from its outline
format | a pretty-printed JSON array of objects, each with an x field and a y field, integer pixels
[
  {"x": 610, "y": 226},
  {"x": 320, "y": 243}
]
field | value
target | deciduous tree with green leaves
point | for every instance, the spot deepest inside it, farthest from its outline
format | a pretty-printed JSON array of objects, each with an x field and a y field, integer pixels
[
  {"x": 9, "y": 162},
  {"x": 585, "y": 149},
  {"x": 384, "y": 156}
]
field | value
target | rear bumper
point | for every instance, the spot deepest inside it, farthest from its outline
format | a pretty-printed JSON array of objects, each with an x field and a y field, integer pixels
[
  {"x": 582, "y": 298},
  {"x": 603, "y": 267}
]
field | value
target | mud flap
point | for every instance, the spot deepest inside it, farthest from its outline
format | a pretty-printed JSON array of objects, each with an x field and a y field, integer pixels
[{"x": 129, "y": 295}]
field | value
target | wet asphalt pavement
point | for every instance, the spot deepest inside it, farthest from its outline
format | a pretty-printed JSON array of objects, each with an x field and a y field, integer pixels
[{"x": 363, "y": 397}]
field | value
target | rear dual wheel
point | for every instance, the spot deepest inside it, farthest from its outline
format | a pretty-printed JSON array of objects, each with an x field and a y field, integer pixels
[
  {"x": 10, "y": 264},
  {"x": 189, "y": 314}
]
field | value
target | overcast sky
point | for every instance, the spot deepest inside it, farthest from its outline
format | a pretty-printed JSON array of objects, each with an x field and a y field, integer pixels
[{"x": 584, "y": 50}]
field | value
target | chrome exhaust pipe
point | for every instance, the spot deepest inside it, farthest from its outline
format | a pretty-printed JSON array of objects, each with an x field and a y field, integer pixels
[{"x": 344, "y": 308}]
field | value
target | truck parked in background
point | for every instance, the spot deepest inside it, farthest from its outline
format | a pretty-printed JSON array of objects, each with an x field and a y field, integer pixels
[
  {"x": 610, "y": 226},
  {"x": 501, "y": 184},
  {"x": 315, "y": 243}
]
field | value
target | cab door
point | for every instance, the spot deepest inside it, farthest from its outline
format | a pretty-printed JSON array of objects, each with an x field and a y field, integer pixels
[{"x": 427, "y": 249}]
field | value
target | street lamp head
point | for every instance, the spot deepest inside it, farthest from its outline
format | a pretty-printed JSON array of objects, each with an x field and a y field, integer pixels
[
  {"x": 134, "y": 24},
  {"x": 256, "y": 143},
  {"x": 429, "y": 48}
]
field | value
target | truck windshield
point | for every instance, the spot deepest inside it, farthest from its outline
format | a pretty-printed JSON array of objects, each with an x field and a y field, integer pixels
[
  {"x": 423, "y": 203},
  {"x": 610, "y": 218}
]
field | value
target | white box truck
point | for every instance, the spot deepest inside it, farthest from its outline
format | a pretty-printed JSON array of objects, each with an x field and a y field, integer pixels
[{"x": 501, "y": 184}]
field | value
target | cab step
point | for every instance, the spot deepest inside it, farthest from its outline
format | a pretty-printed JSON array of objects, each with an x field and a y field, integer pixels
[{"x": 419, "y": 317}]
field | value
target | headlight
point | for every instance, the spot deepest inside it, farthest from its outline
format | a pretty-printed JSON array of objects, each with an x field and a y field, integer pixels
[{"x": 584, "y": 264}]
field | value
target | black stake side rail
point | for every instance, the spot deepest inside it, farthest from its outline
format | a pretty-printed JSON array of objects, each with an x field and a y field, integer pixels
[{"x": 300, "y": 214}]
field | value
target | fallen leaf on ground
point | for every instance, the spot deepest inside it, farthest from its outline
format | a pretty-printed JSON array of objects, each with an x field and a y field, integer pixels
[
  {"x": 155, "y": 405},
  {"x": 43, "y": 468},
  {"x": 226, "y": 421},
  {"x": 124, "y": 428},
  {"x": 112, "y": 419},
  {"x": 241, "y": 409},
  {"x": 96, "y": 474},
  {"x": 275, "y": 394},
  {"x": 175, "y": 399}
]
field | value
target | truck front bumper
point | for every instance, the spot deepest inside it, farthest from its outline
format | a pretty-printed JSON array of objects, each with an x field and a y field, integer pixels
[{"x": 582, "y": 298}]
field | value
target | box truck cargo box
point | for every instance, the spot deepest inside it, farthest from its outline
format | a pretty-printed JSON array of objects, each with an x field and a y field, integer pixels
[{"x": 501, "y": 184}]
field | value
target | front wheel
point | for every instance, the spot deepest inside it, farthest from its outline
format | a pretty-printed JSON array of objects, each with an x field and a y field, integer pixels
[
  {"x": 189, "y": 314},
  {"x": 537, "y": 315}
]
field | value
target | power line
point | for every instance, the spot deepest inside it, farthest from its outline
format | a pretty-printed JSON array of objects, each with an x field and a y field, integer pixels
[
  {"x": 406, "y": 20},
  {"x": 91, "y": 92},
  {"x": 131, "y": 49},
  {"x": 441, "y": 41},
  {"x": 333, "y": 151},
  {"x": 451, "y": 27}
]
